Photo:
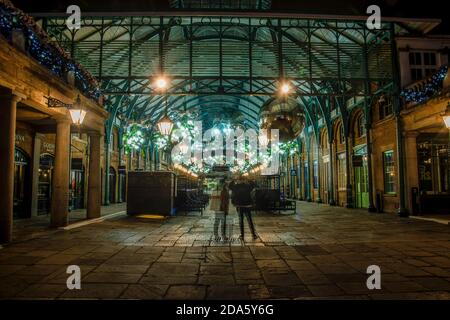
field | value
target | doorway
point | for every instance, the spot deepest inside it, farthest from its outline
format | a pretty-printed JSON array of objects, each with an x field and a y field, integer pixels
[
  {"x": 22, "y": 192},
  {"x": 46, "y": 163},
  {"x": 361, "y": 176},
  {"x": 77, "y": 185}
]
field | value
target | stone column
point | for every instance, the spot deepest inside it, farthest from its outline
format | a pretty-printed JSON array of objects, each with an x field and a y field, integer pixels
[
  {"x": 412, "y": 168},
  {"x": 402, "y": 211},
  {"x": 94, "y": 178},
  {"x": 107, "y": 165},
  {"x": 348, "y": 158},
  {"x": 8, "y": 104},
  {"x": 35, "y": 178},
  {"x": 331, "y": 196},
  {"x": 369, "y": 169},
  {"x": 319, "y": 197},
  {"x": 60, "y": 179}
]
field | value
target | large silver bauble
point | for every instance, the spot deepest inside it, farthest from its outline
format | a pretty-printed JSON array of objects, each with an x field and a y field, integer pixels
[{"x": 286, "y": 115}]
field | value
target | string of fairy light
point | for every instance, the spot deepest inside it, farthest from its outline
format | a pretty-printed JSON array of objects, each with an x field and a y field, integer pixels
[
  {"x": 429, "y": 89},
  {"x": 41, "y": 47}
]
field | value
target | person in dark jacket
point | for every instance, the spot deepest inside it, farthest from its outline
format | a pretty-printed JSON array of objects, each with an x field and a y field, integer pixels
[
  {"x": 241, "y": 198},
  {"x": 222, "y": 211}
]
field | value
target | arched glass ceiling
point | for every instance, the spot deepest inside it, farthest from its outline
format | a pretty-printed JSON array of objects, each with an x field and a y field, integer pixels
[{"x": 227, "y": 63}]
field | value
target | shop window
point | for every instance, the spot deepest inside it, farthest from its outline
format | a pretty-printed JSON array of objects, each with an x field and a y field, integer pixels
[
  {"x": 429, "y": 58},
  {"x": 361, "y": 126},
  {"x": 385, "y": 107},
  {"x": 434, "y": 175},
  {"x": 342, "y": 172},
  {"x": 416, "y": 74},
  {"x": 415, "y": 59},
  {"x": 389, "y": 172},
  {"x": 422, "y": 64}
]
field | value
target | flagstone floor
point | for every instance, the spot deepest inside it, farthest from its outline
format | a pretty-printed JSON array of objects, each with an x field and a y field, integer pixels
[{"x": 321, "y": 252}]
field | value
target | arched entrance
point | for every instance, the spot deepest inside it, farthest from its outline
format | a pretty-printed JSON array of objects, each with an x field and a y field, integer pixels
[
  {"x": 46, "y": 163},
  {"x": 21, "y": 184},
  {"x": 112, "y": 185}
]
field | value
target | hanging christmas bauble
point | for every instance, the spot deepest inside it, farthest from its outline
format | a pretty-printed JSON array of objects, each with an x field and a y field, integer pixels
[{"x": 284, "y": 114}]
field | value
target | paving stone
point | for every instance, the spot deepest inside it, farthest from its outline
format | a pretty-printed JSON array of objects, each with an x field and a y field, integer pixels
[
  {"x": 405, "y": 286},
  {"x": 325, "y": 290},
  {"x": 174, "y": 269},
  {"x": 107, "y": 277},
  {"x": 216, "y": 279},
  {"x": 167, "y": 280},
  {"x": 186, "y": 293},
  {"x": 130, "y": 269},
  {"x": 38, "y": 291},
  {"x": 324, "y": 254},
  {"x": 272, "y": 279},
  {"x": 289, "y": 292},
  {"x": 227, "y": 292},
  {"x": 97, "y": 290},
  {"x": 433, "y": 283}
]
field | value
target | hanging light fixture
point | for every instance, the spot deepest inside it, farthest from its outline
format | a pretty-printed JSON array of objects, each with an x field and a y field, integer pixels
[
  {"x": 77, "y": 113},
  {"x": 165, "y": 125}
]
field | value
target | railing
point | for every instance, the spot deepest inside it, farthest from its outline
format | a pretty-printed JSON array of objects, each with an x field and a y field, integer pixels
[
  {"x": 21, "y": 30},
  {"x": 422, "y": 90}
]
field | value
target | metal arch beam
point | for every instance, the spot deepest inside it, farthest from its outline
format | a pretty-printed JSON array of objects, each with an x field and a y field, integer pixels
[
  {"x": 183, "y": 83},
  {"x": 154, "y": 114}
]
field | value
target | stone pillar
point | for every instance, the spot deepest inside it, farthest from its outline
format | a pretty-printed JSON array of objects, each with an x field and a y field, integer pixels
[
  {"x": 107, "y": 165},
  {"x": 61, "y": 173},
  {"x": 412, "y": 168},
  {"x": 369, "y": 169},
  {"x": 319, "y": 197},
  {"x": 331, "y": 200},
  {"x": 35, "y": 178},
  {"x": 94, "y": 178},
  {"x": 348, "y": 158},
  {"x": 8, "y": 104},
  {"x": 402, "y": 211}
]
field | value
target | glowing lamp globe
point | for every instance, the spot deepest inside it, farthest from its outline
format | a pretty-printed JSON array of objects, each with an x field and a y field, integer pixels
[
  {"x": 165, "y": 126},
  {"x": 77, "y": 116}
]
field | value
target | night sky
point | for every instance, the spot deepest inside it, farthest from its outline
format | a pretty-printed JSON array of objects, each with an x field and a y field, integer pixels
[{"x": 392, "y": 8}]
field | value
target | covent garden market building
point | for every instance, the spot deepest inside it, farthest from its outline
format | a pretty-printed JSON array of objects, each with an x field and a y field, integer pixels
[{"x": 355, "y": 130}]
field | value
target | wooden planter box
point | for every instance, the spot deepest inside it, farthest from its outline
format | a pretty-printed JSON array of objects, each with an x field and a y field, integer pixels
[{"x": 151, "y": 193}]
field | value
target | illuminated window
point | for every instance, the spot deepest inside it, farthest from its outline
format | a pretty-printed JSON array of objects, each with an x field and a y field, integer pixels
[{"x": 389, "y": 172}]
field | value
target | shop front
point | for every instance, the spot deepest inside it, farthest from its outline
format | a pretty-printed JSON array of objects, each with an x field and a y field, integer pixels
[
  {"x": 22, "y": 177},
  {"x": 434, "y": 173},
  {"x": 361, "y": 177}
]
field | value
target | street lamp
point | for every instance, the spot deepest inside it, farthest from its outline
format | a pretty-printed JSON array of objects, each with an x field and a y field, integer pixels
[{"x": 77, "y": 114}]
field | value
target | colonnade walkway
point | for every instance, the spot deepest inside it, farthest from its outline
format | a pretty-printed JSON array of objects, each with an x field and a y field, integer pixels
[{"x": 321, "y": 252}]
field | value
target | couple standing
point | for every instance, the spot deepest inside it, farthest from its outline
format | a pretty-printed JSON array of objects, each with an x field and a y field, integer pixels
[{"x": 241, "y": 198}]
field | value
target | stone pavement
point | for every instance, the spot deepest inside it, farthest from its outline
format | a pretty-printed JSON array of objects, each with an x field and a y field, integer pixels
[{"x": 322, "y": 252}]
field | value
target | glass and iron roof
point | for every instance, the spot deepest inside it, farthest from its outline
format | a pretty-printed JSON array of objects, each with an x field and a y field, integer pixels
[{"x": 232, "y": 64}]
